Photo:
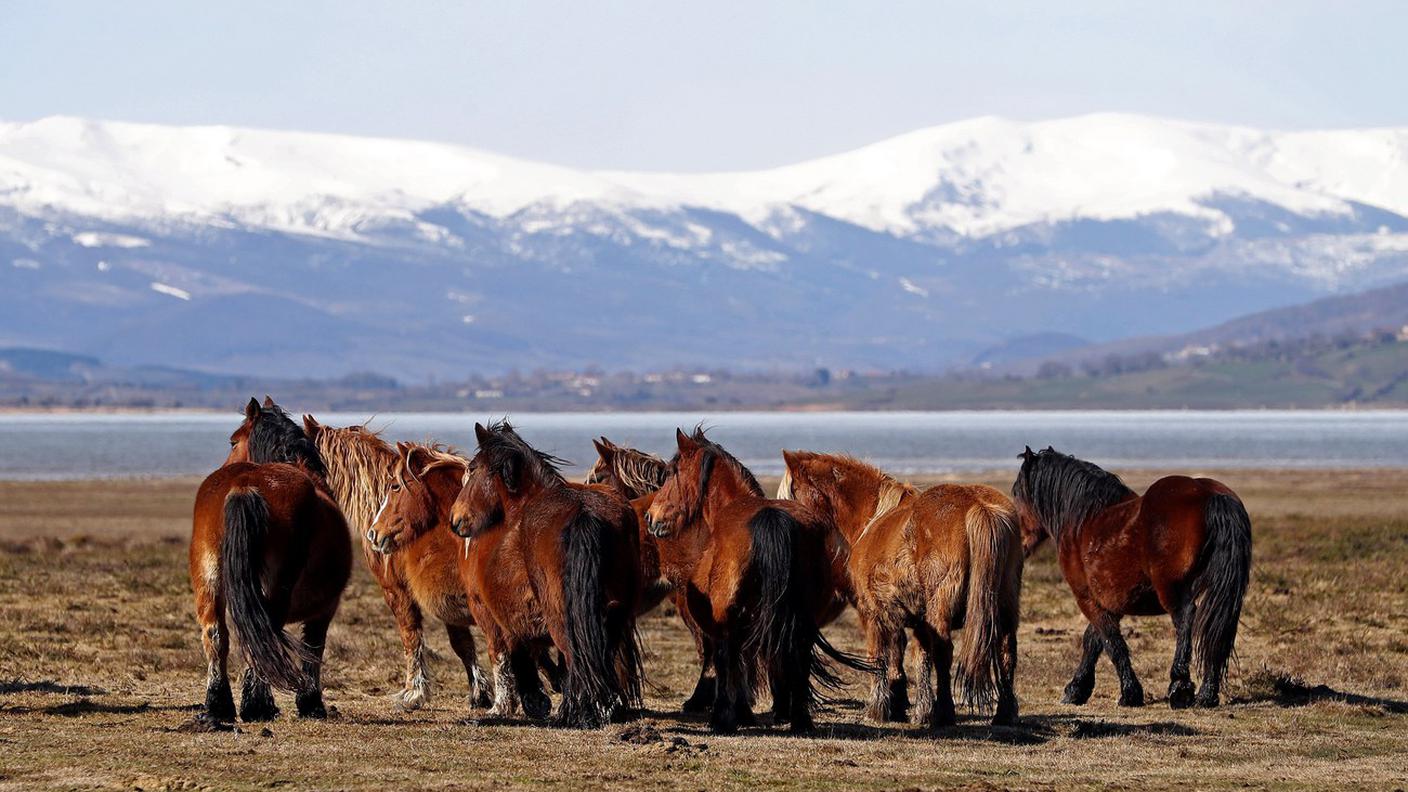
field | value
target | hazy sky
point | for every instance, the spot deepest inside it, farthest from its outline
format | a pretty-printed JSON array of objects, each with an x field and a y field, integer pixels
[{"x": 704, "y": 85}]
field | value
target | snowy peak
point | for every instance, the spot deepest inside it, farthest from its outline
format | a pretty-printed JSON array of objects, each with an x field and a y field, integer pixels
[{"x": 972, "y": 179}]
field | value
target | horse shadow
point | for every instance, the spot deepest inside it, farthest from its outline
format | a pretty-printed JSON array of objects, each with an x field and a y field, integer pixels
[{"x": 1284, "y": 690}]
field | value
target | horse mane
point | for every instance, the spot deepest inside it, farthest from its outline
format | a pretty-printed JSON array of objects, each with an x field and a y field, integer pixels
[
  {"x": 890, "y": 491},
  {"x": 358, "y": 462},
  {"x": 505, "y": 451},
  {"x": 713, "y": 452},
  {"x": 640, "y": 472},
  {"x": 1063, "y": 491},
  {"x": 275, "y": 437},
  {"x": 441, "y": 456}
]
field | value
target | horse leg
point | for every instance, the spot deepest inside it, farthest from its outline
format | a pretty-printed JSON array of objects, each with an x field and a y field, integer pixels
[
  {"x": 943, "y": 713},
  {"x": 1082, "y": 684},
  {"x": 310, "y": 701},
  {"x": 505, "y": 690},
  {"x": 899, "y": 681},
  {"x": 409, "y": 624},
  {"x": 462, "y": 641},
  {"x": 700, "y": 700},
  {"x": 256, "y": 699},
  {"x": 1006, "y": 714},
  {"x": 880, "y": 644},
  {"x": 1131, "y": 692},
  {"x": 780, "y": 685},
  {"x": 215, "y": 640},
  {"x": 924, "y": 696},
  {"x": 523, "y": 663},
  {"x": 1180, "y": 686},
  {"x": 729, "y": 675}
]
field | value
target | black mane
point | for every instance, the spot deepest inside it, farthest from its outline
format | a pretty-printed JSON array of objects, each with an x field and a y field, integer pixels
[
  {"x": 1063, "y": 492},
  {"x": 507, "y": 454},
  {"x": 275, "y": 437},
  {"x": 713, "y": 451}
]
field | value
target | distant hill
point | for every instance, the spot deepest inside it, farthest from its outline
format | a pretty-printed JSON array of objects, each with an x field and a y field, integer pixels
[
  {"x": 1385, "y": 307},
  {"x": 232, "y": 250}
]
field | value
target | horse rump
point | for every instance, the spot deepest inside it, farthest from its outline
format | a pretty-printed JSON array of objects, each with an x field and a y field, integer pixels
[
  {"x": 604, "y": 667},
  {"x": 272, "y": 653}
]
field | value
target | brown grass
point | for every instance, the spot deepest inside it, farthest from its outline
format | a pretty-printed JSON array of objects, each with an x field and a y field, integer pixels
[{"x": 100, "y": 670}]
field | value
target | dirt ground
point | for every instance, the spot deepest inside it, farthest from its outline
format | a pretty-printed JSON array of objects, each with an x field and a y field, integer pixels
[{"x": 100, "y": 670}]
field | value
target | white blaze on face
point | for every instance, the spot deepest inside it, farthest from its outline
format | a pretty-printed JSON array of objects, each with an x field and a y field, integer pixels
[{"x": 384, "y": 500}]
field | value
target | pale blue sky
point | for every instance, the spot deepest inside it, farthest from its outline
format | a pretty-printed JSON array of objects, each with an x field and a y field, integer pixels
[{"x": 703, "y": 85}]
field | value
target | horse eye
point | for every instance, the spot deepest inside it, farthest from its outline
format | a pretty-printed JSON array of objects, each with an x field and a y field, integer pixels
[{"x": 395, "y": 487}]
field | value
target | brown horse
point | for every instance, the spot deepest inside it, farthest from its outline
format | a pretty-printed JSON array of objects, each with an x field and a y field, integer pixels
[
  {"x": 638, "y": 476},
  {"x": 1184, "y": 548},
  {"x": 934, "y": 561},
  {"x": 759, "y": 577},
  {"x": 579, "y": 546},
  {"x": 416, "y": 577},
  {"x": 269, "y": 542}
]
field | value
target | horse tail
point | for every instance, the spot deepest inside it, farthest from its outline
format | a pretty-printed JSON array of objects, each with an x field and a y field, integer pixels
[
  {"x": 604, "y": 660},
  {"x": 784, "y": 631},
  {"x": 1223, "y": 582},
  {"x": 270, "y": 651},
  {"x": 994, "y": 540}
]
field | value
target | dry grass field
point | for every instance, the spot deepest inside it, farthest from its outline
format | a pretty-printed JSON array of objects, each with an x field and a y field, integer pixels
[{"x": 101, "y": 671}]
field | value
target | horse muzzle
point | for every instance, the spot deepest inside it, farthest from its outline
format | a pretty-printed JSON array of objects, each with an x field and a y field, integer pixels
[
  {"x": 460, "y": 527},
  {"x": 657, "y": 528},
  {"x": 381, "y": 544}
]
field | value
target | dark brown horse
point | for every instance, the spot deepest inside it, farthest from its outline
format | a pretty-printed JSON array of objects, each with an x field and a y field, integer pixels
[
  {"x": 759, "y": 577},
  {"x": 933, "y": 561},
  {"x": 417, "y": 577},
  {"x": 270, "y": 547},
  {"x": 638, "y": 476},
  {"x": 578, "y": 548},
  {"x": 1183, "y": 548}
]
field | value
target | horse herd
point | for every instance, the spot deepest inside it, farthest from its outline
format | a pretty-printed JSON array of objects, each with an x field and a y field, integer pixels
[{"x": 556, "y": 573}]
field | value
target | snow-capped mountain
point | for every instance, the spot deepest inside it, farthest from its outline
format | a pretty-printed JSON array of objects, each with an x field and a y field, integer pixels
[{"x": 284, "y": 252}]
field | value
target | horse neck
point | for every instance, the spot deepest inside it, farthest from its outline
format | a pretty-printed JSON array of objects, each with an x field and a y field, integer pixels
[
  {"x": 725, "y": 485},
  {"x": 866, "y": 500},
  {"x": 444, "y": 486}
]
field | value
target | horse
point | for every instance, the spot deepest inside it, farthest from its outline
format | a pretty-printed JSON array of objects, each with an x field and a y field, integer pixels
[
  {"x": 416, "y": 578},
  {"x": 1183, "y": 548},
  {"x": 638, "y": 476},
  {"x": 759, "y": 577},
  {"x": 269, "y": 543},
  {"x": 934, "y": 561},
  {"x": 579, "y": 546}
]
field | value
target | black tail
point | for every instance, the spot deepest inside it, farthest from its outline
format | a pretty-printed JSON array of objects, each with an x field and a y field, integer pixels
[
  {"x": 272, "y": 653},
  {"x": 784, "y": 632},
  {"x": 604, "y": 672},
  {"x": 1222, "y": 584}
]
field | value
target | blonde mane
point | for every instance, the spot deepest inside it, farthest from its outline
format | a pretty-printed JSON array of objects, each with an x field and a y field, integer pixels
[
  {"x": 891, "y": 493},
  {"x": 358, "y": 462}
]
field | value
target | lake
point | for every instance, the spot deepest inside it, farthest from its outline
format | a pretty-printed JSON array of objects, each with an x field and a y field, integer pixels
[{"x": 73, "y": 446}]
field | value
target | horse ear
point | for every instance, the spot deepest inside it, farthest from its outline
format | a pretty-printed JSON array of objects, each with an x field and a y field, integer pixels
[
  {"x": 789, "y": 460},
  {"x": 251, "y": 410},
  {"x": 1052, "y": 449},
  {"x": 480, "y": 433},
  {"x": 311, "y": 427},
  {"x": 269, "y": 401},
  {"x": 604, "y": 449},
  {"x": 1027, "y": 454},
  {"x": 684, "y": 441}
]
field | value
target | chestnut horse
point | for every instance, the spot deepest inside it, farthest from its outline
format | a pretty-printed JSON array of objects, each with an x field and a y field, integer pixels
[
  {"x": 579, "y": 545},
  {"x": 268, "y": 541},
  {"x": 416, "y": 577},
  {"x": 759, "y": 577},
  {"x": 1183, "y": 548},
  {"x": 934, "y": 561},
  {"x": 638, "y": 476}
]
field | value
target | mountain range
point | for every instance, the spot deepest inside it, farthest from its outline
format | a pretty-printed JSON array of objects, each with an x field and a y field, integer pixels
[{"x": 290, "y": 254}]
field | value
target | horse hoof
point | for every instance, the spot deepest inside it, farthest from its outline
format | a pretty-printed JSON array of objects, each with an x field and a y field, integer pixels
[
  {"x": 313, "y": 710},
  {"x": 723, "y": 726},
  {"x": 1180, "y": 695},
  {"x": 801, "y": 726},
  {"x": 692, "y": 707},
  {"x": 1207, "y": 702},
  {"x": 1132, "y": 698},
  {"x": 537, "y": 706},
  {"x": 1076, "y": 695},
  {"x": 410, "y": 700}
]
